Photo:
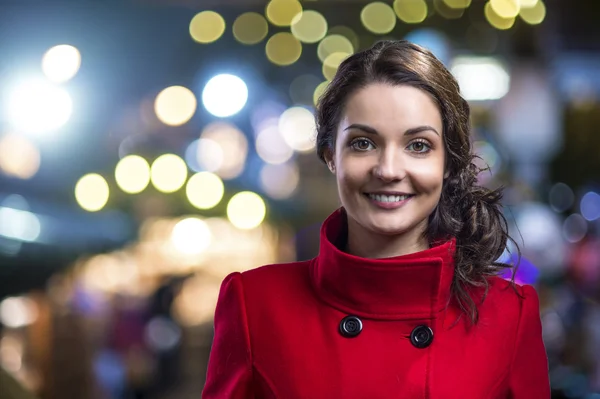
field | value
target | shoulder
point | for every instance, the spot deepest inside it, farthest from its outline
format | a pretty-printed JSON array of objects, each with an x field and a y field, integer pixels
[{"x": 511, "y": 301}]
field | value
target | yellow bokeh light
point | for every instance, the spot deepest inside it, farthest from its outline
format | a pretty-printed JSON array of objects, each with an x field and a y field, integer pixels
[
  {"x": 442, "y": 8},
  {"x": 497, "y": 21},
  {"x": 132, "y": 174},
  {"x": 175, "y": 105},
  {"x": 528, "y": 3},
  {"x": 250, "y": 28},
  {"x": 458, "y": 3},
  {"x": 283, "y": 49},
  {"x": 334, "y": 44},
  {"x": 411, "y": 11},
  {"x": 505, "y": 8},
  {"x": 19, "y": 157},
  {"x": 309, "y": 27},
  {"x": 168, "y": 173},
  {"x": 332, "y": 63},
  {"x": 61, "y": 63},
  {"x": 91, "y": 192},
  {"x": 533, "y": 15},
  {"x": 348, "y": 33},
  {"x": 378, "y": 18},
  {"x": 283, "y": 12},
  {"x": 319, "y": 91},
  {"x": 207, "y": 27},
  {"x": 246, "y": 210},
  {"x": 205, "y": 190}
]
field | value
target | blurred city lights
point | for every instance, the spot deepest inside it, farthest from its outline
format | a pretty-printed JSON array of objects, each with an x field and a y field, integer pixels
[
  {"x": 378, "y": 17},
  {"x": 334, "y": 44},
  {"x": 319, "y": 91},
  {"x": 191, "y": 236},
  {"x": 132, "y": 174},
  {"x": 61, "y": 63},
  {"x": 282, "y": 12},
  {"x": 234, "y": 150},
  {"x": 205, "y": 190},
  {"x": 37, "y": 106},
  {"x": 279, "y": 181},
  {"x": 481, "y": 78},
  {"x": 590, "y": 206},
  {"x": 250, "y": 28},
  {"x": 168, "y": 173},
  {"x": 458, "y": 3},
  {"x": 162, "y": 334},
  {"x": 19, "y": 224},
  {"x": 298, "y": 128},
  {"x": 346, "y": 32},
  {"x": 332, "y": 63},
  {"x": 411, "y": 12},
  {"x": 16, "y": 312},
  {"x": 497, "y": 21},
  {"x": 271, "y": 147},
  {"x": 533, "y": 14},
  {"x": 246, "y": 210},
  {"x": 188, "y": 309},
  {"x": 175, "y": 105},
  {"x": 302, "y": 89},
  {"x": 283, "y": 49},
  {"x": 225, "y": 95},
  {"x": 309, "y": 26},
  {"x": 204, "y": 155},
  {"x": 574, "y": 228},
  {"x": 561, "y": 197},
  {"x": 18, "y": 156},
  {"x": 505, "y": 8},
  {"x": 92, "y": 192},
  {"x": 442, "y": 8},
  {"x": 207, "y": 27}
]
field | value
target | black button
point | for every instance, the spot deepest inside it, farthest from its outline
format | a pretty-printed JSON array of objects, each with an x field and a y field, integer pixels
[
  {"x": 421, "y": 337},
  {"x": 350, "y": 326}
]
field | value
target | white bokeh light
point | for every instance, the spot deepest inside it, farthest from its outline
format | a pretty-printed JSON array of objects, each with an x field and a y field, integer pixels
[
  {"x": 298, "y": 128},
  {"x": 481, "y": 78},
  {"x": 61, "y": 63},
  {"x": 37, "y": 106},
  {"x": 191, "y": 236},
  {"x": 225, "y": 95}
]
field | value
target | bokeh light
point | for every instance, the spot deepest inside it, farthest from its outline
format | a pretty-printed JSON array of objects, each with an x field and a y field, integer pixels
[
  {"x": 271, "y": 147},
  {"x": 411, "y": 12},
  {"x": 61, "y": 63},
  {"x": 175, "y": 105},
  {"x": 505, "y": 8},
  {"x": 92, "y": 192},
  {"x": 319, "y": 91},
  {"x": 132, "y": 174},
  {"x": 191, "y": 236},
  {"x": 332, "y": 63},
  {"x": 19, "y": 157},
  {"x": 250, "y": 28},
  {"x": 204, "y": 190},
  {"x": 298, "y": 128},
  {"x": 561, "y": 197},
  {"x": 458, "y": 3},
  {"x": 334, "y": 44},
  {"x": 574, "y": 228},
  {"x": 204, "y": 155},
  {"x": 590, "y": 206},
  {"x": 234, "y": 149},
  {"x": 309, "y": 26},
  {"x": 282, "y": 12},
  {"x": 225, "y": 95},
  {"x": 283, "y": 49},
  {"x": 246, "y": 210},
  {"x": 534, "y": 14},
  {"x": 378, "y": 18},
  {"x": 442, "y": 8},
  {"x": 280, "y": 181},
  {"x": 16, "y": 222},
  {"x": 207, "y": 27},
  {"x": 481, "y": 78},
  {"x": 346, "y": 32},
  {"x": 302, "y": 89},
  {"x": 36, "y": 106},
  {"x": 497, "y": 21},
  {"x": 168, "y": 173},
  {"x": 16, "y": 312}
]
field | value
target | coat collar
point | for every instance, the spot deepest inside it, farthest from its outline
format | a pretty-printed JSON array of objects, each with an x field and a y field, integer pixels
[{"x": 413, "y": 286}]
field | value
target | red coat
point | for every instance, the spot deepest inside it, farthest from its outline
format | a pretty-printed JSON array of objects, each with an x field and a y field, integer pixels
[{"x": 343, "y": 327}]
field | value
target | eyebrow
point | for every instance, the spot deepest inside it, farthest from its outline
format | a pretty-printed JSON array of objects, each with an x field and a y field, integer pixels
[{"x": 409, "y": 132}]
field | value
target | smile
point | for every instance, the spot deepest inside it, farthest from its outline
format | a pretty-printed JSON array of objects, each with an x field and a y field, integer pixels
[{"x": 388, "y": 201}]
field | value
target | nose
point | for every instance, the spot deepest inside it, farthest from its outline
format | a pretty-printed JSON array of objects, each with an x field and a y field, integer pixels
[{"x": 390, "y": 166}]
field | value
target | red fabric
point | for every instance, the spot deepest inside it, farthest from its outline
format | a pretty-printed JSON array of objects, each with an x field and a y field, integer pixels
[{"x": 276, "y": 331}]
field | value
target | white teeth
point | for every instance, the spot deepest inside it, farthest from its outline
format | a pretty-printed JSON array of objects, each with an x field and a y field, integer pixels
[{"x": 388, "y": 198}]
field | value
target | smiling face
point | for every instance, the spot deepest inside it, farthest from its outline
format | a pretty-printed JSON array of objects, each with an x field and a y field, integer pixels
[{"x": 389, "y": 160}]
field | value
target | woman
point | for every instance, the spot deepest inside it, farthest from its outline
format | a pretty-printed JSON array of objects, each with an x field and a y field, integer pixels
[{"x": 403, "y": 299}]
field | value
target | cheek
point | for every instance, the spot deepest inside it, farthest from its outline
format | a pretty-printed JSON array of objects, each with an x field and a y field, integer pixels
[{"x": 428, "y": 178}]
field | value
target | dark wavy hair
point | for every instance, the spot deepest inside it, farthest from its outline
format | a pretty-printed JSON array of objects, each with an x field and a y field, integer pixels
[{"x": 469, "y": 212}]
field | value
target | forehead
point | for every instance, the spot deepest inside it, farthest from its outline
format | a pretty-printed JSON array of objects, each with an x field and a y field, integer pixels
[{"x": 382, "y": 105}]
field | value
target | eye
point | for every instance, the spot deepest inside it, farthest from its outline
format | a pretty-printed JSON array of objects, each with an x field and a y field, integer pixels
[
  {"x": 419, "y": 146},
  {"x": 361, "y": 145}
]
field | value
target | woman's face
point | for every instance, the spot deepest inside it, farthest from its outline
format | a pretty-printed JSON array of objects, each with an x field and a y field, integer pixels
[{"x": 389, "y": 159}]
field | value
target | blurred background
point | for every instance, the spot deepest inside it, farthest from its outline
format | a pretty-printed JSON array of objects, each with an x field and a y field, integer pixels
[{"x": 149, "y": 148}]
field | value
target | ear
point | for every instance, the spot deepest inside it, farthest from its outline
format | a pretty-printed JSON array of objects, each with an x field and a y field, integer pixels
[{"x": 329, "y": 160}]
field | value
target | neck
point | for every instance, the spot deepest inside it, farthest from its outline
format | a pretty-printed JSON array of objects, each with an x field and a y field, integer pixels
[{"x": 366, "y": 244}]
